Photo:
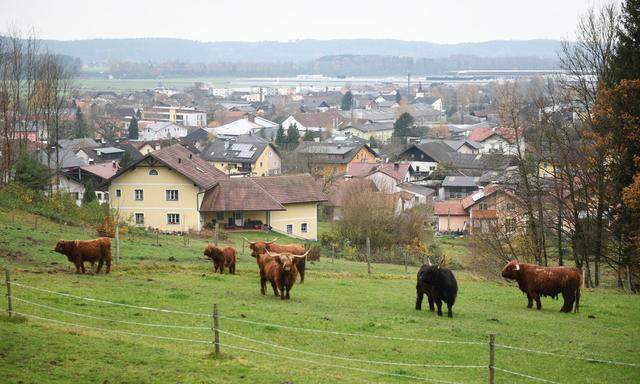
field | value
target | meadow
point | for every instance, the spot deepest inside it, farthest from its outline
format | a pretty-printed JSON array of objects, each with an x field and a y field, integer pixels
[{"x": 342, "y": 325}]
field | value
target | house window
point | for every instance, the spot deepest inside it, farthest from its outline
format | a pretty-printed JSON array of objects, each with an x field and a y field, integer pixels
[
  {"x": 75, "y": 195},
  {"x": 417, "y": 168},
  {"x": 138, "y": 194},
  {"x": 118, "y": 192},
  {"x": 106, "y": 196},
  {"x": 289, "y": 229},
  {"x": 220, "y": 215},
  {"x": 483, "y": 206},
  {"x": 172, "y": 194},
  {"x": 153, "y": 172},
  {"x": 139, "y": 218},
  {"x": 303, "y": 227},
  {"x": 173, "y": 218},
  {"x": 99, "y": 195}
]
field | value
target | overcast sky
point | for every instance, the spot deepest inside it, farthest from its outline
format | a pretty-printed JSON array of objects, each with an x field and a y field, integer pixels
[{"x": 440, "y": 21}]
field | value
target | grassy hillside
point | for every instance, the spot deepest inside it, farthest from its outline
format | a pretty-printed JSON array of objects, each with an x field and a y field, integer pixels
[{"x": 336, "y": 297}]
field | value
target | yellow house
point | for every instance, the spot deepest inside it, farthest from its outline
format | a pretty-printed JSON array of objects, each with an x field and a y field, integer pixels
[
  {"x": 247, "y": 154},
  {"x": 287, "y": 204},
  {"x": 174, "y": 190},
  {"x": 328, "y": 159}
]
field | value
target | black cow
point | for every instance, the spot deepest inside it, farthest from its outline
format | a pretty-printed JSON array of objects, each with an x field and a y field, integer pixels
[{"x": 439, "y": 284}]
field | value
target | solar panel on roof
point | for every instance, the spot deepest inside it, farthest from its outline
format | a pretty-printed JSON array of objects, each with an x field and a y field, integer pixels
[{"x": 246, "y": 154}]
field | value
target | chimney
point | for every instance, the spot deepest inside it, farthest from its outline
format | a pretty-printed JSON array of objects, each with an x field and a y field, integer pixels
[
  {"x": 179, "y": 160},
  {"x": 91, "y": 162},
  {"x": 396, "y": 166},
  {"x": 190, "y": 156}
]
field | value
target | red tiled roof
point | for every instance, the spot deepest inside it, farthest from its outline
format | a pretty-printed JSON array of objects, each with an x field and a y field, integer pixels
[
  {"x": 189, "y": 165},
  {"x": 328, "y": 119},
  {"x": 365, "y": 169},
  {"x": 449, "y": 207},
  {"x": 104, "y": 170},
  {"x": 481, "y": 134}
]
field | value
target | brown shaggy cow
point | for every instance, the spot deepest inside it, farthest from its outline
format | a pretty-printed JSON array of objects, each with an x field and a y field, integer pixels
[
  {"x": 221, "y": 257},
  {"x": 260, "y": 247},
  {"x": 536, "y": 281},
  {"x": 281, "y": 270},
  {"x": 79, "y": 251}
]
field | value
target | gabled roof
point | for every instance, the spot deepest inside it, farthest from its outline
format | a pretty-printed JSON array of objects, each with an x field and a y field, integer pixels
[
  {"x": 398, "y": 171},
  {"x": 481, "y": 134},
  {"x": 416, "y": 189},
  {"x": 481, "y": 194},
  {"x": 185, "y": 162},
  {"x": 460, "y": 181},
  {"x": 102, "y": 170},
  {"x": 330, "y": 153},
  {"x": 320, "y": 119},
  {"x": 238, "y": 194},
  {"x": 245, "y": 149},
  {"x": 437, "y": 150},
  {"x": 449, "y": 207},
  {"x": 373, "y": 127},
  {"x": 290, "y": 189}
]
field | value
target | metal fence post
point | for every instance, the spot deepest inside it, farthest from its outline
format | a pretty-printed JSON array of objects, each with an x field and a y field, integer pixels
[
  {"x": 8, "y": 281},
  {"x": 216, "y": 337},
  {"x": 492, "y": 337}
]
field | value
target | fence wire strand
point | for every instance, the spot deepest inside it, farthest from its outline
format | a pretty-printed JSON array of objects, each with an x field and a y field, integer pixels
[
  {"x": 525, "y": 376},
  {"x": 567, "y": 356},
  {"x": 348, "y": 358},
  {"x": 237, "y": 348},
  {"x": 106, "y": 319}
]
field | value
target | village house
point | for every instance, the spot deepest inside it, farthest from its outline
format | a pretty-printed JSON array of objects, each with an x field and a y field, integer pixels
[
  {"x": 250, "y": 124},
  {"x": 246, "y": 155},
  {"x": 329, "y": 159},
  {"x": 498, "y": 140},
  {"x": 185, "y": 116},
  {"x": 315, "y": 121},
  {"x": 159, "y": 130},
  {"x": 174, "y": 190},
  {"x": 457, "y": 187},
  {"x": 380, "y": 132},
  {"x": 450, "y": 216},
  {"x": 73, "y": 180},
  {"x": 386, "y": 176}
]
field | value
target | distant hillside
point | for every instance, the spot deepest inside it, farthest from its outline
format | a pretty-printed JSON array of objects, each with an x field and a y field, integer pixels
[{"x": 165, "y": 49}]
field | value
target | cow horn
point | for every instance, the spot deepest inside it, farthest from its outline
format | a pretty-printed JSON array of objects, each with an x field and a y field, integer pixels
[
  {"x": 272, "y": 241},
  {"x": 302, "y": 256},
  {"x": 247, "y": 240},
  {"x": 517, "y": 267},
  {"x": 429, "y": 261}
]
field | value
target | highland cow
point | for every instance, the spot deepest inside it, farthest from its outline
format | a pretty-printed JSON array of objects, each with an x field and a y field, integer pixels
[
  {"x": 536, "y": 281},
  {"x": 79, "y": 251},
  {"x": 221, "y": 257},
  {"x": 439, "y": 284}
]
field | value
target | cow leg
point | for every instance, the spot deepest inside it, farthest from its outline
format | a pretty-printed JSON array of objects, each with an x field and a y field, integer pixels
[
  {"x": 222, "y": 268},
  {"x": 99, "y": 266},
  {"x": 568, "y": 302},
  {"x": 108, "y": 266},
  {"x": 288, "y": 290},
  {"x": 281, "y": 289},
  {"x": 274, "y": 286},
  {"x": 538, "y": 302},
  {"x": 82, "y": 266},
  {"x": 430, "y": 299},
  {"x": 232, "y": 269},
  {"x": 449, "y": 310},
  {"x": 78, "y": 268},
  {"x": 530, "y": 302},
  {"x": 419, "y": 297},
  {"x": 439, "y": 304},
  {"x": 263, "y": 285}
]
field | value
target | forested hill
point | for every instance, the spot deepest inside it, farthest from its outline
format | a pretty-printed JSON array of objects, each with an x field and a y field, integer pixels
[{"x": 166, "y": 49}]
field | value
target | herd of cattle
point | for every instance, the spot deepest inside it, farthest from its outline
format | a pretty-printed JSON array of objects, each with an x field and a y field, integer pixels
[{"x": 281, "y": 264}]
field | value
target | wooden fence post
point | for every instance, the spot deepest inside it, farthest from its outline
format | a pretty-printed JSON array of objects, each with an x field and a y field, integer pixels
[
  {"x": 117, "y": 243},
  {"x": 492, "y": 337},
  {"x": 157, "y": 237},
  {"x": 404, "y": 255},
  {"x": 216, "y": 337},
  {"x": 8, "y": 281},
  {"x": 215, "y": 240},
  {"x": 243, "y": 247},
  {"x": 368, "y": 244},
  {"x": 333, "y": 252}
]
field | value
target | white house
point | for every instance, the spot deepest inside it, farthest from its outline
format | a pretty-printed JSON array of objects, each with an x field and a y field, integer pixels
[
  {"x": 316, "y": 121},
  {"x": 160, "y": 130},
  {"x": 498, "y": 140},
  {"x": 245, "y": 126}
]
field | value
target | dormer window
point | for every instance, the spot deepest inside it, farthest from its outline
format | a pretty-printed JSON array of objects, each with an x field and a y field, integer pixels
[{"x": 153, "y": 172}]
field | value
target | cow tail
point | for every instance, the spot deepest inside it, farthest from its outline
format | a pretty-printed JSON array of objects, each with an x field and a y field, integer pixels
[{"x": 577, "y": 309}]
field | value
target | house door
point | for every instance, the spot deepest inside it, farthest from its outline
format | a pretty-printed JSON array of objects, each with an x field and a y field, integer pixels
[{"x": 239, "y": 219}]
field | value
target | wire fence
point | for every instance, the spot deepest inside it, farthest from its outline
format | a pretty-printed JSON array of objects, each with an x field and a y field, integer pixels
[{"x": 482, "y": 366}]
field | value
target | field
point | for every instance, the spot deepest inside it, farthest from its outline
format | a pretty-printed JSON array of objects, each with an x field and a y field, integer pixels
[
  {"x": 123, "y": 85},
  {"x": 354, "y": 309}
]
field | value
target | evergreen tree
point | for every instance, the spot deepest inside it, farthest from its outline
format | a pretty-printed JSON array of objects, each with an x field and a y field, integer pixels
[
  {"x": 626, "y": 62},
  {"x": 308, "y": 136},
  {"x": 281, "y": 139},
  {"x": 373, "y": 143},
  {"x": 30, "y": 172},
  {"x": 402, "y": 126},
  {"x": 133, "y": 129},
  {"x": 293, "y": 135},
  {"x": 347, "y": 101},
  {"x": 89, "y": 193},
  {"x": 126, "y": 158},
  {"x": 139, "y": 114},
  {"x": 80, "y": 129}
]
